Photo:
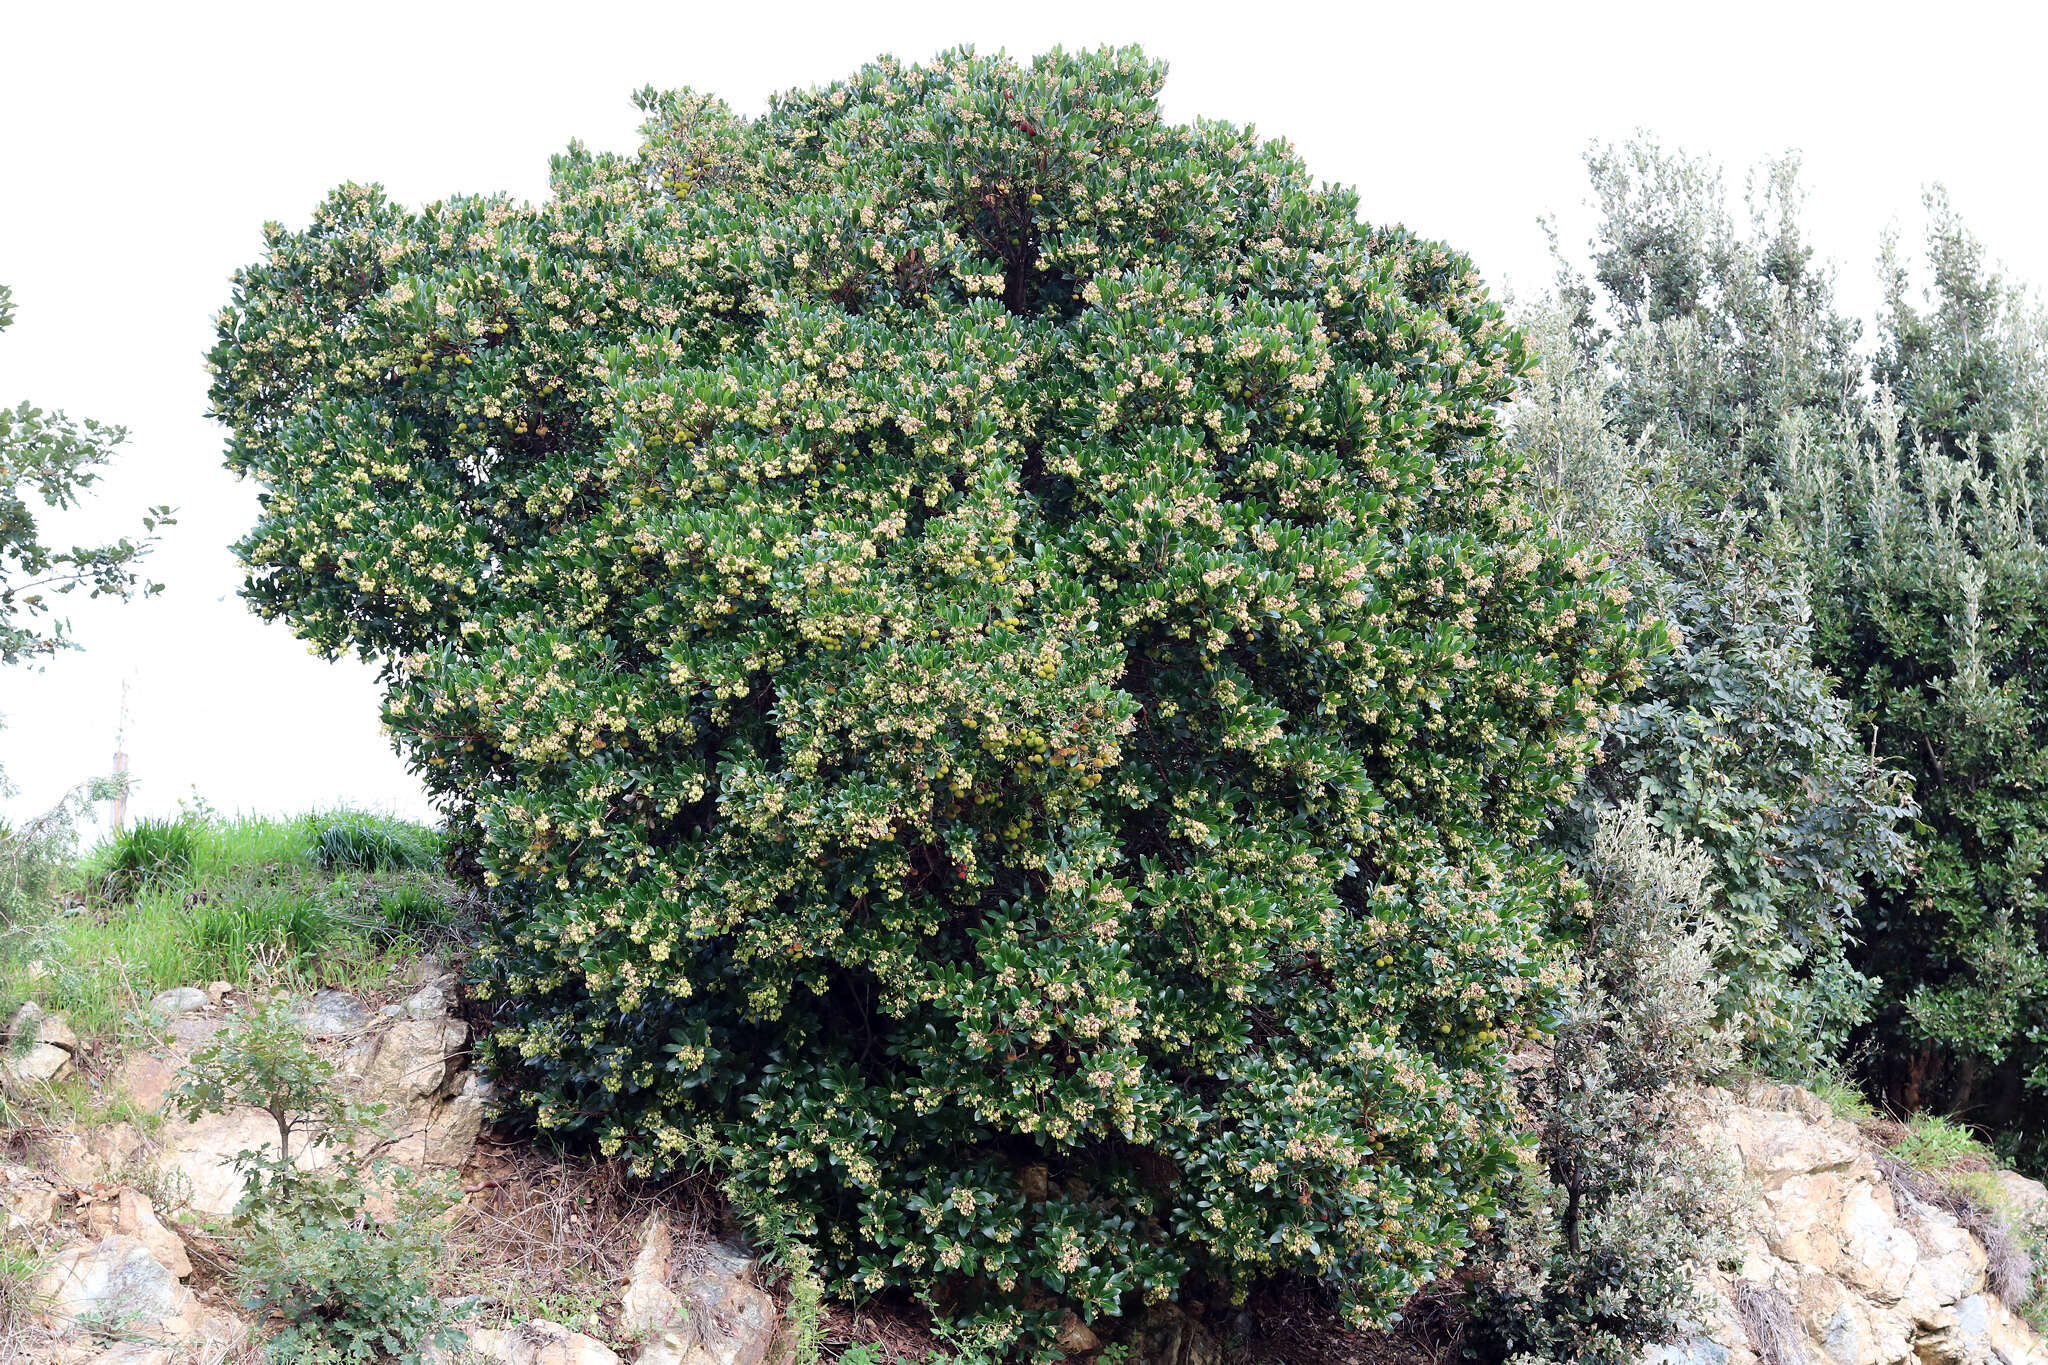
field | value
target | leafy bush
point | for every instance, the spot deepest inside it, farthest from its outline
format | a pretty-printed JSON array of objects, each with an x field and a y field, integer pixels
[
  {"x": 1742, "y": 743},
  {"x": 992, "y": 652},
  {"x": 1595, "y": 1258},
  {"x": 372, "y": 843},
  {"x": 1932, "y": 1142},
  {"x": 264, "y": 1061},
  {"x": 1740, "y": 740},
  {"x": 348, "y": 1285},
  {"x": 149, "y": 853},
  {"x": 1925, "y": 521}
]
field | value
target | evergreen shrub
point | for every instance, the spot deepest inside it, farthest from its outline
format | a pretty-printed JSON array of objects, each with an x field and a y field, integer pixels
[
  {"x": 1598, "y": 1253},
  {"x": 990, "y": 651}
]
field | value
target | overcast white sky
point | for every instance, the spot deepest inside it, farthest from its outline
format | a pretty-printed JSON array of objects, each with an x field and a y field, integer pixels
[{"x": 141, "y": 148}]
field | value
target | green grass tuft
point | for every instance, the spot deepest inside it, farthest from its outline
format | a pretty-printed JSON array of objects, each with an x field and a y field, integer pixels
[
  {"x": 280, "y": 924},
  {"x": 372, "y": 843},
  {"x": 1842, "y": 1096},
  {"x": 414, "y": 911},
  {"x": 149, "y": 854},
  {"x": 237, "y": 845},
  {"x": 19, "y": 1269},
  {"x": 327, "y": 899},
  {"x": 1934, "y": 1143}
]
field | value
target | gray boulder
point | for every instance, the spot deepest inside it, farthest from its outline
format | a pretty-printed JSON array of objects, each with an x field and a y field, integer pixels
[
  {"x": 332, "y": 1013},
  {"x": 178, "y": 1000}
]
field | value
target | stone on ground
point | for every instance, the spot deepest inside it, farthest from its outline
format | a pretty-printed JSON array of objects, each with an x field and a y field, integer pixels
[
  {"x": 115, "y": 1285},
  {"x": 147, "y": 1080},
  {"x": 434, "y": 1000},
  {"x": 539, "y": 1342},
  {"x": 27, "y": 1200},
  {"x": 649, "y": 1305},
  {"x": 727, "y": 1319},
  {"x": 332, "y": 1013},
  {"x": 39, "y": 1046},
  {"x": 129, "y": 1214},
  {"x": 178, "y": 1000}
]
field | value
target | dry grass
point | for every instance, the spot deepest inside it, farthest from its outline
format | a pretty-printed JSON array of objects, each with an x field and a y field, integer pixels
[
  {"x": 19, "y": 1267},
  {"x": 1295, "y": 1322},
  {"x": 2010, "y": 1273},
  {"x": 540, "y": 1236},
  {"x": 1767, "y": 1321},
  {"x": 892, "y": 1331}
]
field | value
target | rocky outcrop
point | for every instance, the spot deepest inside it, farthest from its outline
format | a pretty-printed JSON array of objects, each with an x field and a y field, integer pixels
[
  {"x": 108, "y": 1270},
  {"x": 718, "y": 1316},
  {"x": 129, "y": 1213},
  {"x": 113, "y": 1281},
  {"x": 410, "y": 1059},
  {"x": 114, "y": 1268},
  {"x": 413, "y": 1060},
  {"x": 648, "y": 1305},
  {"x": 27, "y": 1200},
  {"x": 1849, "y": 1259}
]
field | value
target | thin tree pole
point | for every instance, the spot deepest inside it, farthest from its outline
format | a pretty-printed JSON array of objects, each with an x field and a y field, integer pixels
[{"x": 121, "y": 762}]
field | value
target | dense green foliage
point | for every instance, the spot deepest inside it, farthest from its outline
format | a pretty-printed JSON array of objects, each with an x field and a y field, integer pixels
[
  {"x": 1742, "y": 744},
  {"x": 1739, "y": 740},
  {"x": 1882, "y": 532},
  {"x": 1934, "y": 561},
  {"x": 1597, "y": 1257},
  {"x": 992, "y": 652},
  {"x": 49, "y": 458}
]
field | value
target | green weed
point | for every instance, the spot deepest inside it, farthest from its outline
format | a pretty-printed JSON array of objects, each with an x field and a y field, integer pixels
[
  {"x": 19, "y": 1269},
  {"x": 1934, "y": 1143},
  {"x": 1842, "y": 1096}
]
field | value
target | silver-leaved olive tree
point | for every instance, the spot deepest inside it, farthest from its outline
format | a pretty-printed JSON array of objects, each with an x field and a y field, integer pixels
[{"x": 990, "y": 650}]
